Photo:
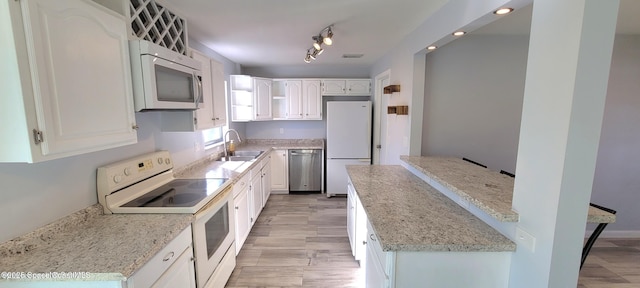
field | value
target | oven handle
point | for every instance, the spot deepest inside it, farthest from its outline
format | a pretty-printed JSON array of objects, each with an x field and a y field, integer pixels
[{"x": 210, "y": 208}]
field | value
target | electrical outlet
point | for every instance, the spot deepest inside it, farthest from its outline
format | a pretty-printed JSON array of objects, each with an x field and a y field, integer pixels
[{"x": 525, "y": 239}]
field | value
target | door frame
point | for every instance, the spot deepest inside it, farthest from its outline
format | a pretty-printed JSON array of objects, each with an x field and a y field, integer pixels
[{"x": 378, "y": 154}]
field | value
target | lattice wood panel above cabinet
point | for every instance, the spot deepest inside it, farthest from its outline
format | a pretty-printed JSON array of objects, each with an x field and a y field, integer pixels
[{"x": 153, "y": 22}]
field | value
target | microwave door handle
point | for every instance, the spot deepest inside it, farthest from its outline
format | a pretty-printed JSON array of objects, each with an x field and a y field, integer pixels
[{"x": 200, "y": 90}]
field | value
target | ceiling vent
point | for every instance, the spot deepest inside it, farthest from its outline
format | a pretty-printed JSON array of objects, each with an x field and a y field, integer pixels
[{"x": 352, "y": 56}]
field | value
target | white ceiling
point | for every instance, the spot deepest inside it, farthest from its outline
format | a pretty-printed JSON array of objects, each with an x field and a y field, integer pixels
[{"x": 278, "y": 32}]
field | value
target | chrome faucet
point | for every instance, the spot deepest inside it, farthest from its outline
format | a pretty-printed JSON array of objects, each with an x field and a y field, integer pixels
[{"x": 224, "y": 138}]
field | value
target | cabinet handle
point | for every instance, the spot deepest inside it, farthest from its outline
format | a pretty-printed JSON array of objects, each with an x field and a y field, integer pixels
[
  {"x": 168, "y": 257},
  {"x": 237, "y": 208},
  {"x": 364, "y": 242},
  {"x": 134, "y": 127},
  {"x": 372, "y": 237}
]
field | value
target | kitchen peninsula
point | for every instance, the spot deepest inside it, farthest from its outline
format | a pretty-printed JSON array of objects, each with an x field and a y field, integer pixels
[{"x": 435, "y": 220}]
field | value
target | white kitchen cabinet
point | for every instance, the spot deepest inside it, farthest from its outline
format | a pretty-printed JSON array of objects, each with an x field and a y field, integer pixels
[
  {"x": 266, "y": 180},
  {"x": 67, "y": 87},
  {"x": 280, "y": 171},
  {"x": 293, "y": 94},
  {"x": 262, "y": 99},
  {"x": 346, "y": 87},
  {"x": 241, "y": 98},
  {"x": 256, "y": 195},
  {"x": 219, "y": 94},
  {"x": 212, "y": 112},
  {"x": 356, "y": 225},
  {"x": 312, "y": 99},
  {"x": 243, "y": 217},
  {"x": 173, "y": 266}
]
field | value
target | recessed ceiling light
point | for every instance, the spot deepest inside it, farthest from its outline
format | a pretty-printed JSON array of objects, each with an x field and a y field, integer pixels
[
  {"x": 432, "y": 47},
  {"x": 503, "y": 11},
  {"x": 458, "y": 33}
]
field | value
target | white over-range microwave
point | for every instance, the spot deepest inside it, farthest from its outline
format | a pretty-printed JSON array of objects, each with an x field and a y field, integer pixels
[{"x": 164, "y": 79}]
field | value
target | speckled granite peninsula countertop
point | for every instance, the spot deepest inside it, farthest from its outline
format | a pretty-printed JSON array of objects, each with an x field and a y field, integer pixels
[
  {"x": 410, "y": 215},
  {"x": 488, "y": 190},
  {"x": 109, "y": 247}
]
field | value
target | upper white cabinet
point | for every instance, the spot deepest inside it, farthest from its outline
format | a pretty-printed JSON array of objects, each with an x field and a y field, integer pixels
[
  {"x": 348, "y": 87},
  {"x": 212, "y": 112},
  {"x": 312, "y": 99},
  {"x": 67, "y": 80},
  {"x": 262, "y": 99},
  {"x": 293, "y": 95},
  {"x": 241, "y": 98},
  {"x": 219, "y": 94}
]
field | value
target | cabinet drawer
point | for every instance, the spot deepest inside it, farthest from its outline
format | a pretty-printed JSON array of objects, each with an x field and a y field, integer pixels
[
  {"x": 376, "y": 247},
  {"x": 240, "y": 185},
  {"x": 152, "y": 270}
]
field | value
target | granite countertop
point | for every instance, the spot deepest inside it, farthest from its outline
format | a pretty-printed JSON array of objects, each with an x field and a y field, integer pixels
[
  {"x": 109, "y": 247},
  {"x": 209, "y": 168},
  {"x": 488, "y": 190},
  {"x": 410, "y": 215}
]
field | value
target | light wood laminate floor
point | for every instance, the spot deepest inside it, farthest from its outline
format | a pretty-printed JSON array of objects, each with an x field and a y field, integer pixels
[{"x": 301, "y": 241}]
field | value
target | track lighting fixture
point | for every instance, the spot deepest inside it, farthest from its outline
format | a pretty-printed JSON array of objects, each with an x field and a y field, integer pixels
[{"x": 324, "y": 37}]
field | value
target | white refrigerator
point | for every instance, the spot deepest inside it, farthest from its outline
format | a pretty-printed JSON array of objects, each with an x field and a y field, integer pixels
[{"x": 348, "y": 141}]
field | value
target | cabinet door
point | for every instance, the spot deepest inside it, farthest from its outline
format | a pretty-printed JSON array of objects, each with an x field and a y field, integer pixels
[
  {"x": 204, "y": 114},
  {"x": 180, "y": 274},
  {"x": 243, "y": 217},
  {"x": 256, "y": 198},
  {"x": 351, "y": 220},
  {"x": 266, "y": 182},
  {"x": 334, "y": 87},
  {"x": 219, "y": 94},
  {"x": 262, "y": 99},
  {"x": 312, "y": 99},
  {"x": 79, "y": 64},
  {"x": 279, "y": 170},
  {"x": 293, "y": 93},
  {"x": 374, "y": 273},
  {"x": 359, "y": 87}
]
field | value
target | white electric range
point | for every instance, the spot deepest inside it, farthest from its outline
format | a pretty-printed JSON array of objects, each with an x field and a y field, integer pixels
[{"x": 146, "y": 184}]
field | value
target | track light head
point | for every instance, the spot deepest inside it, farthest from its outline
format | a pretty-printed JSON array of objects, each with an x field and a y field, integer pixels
[{"x": 327, "y": 39}]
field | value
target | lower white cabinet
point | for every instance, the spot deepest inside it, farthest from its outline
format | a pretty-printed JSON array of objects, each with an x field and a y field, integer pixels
[
  {"x": 279, "y": 171},
  {"x": 173, "y": 266},
  {"x": 356, "y": 225},
  {"x": 266, "y": 179},
  {"x": 242, "y": 207},
  {"x": 256, "y": 195}
]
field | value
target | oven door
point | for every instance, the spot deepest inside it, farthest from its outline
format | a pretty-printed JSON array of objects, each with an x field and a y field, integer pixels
[
  {"x": 169, "y": 85},
  {"x": 213, "y": 234}
]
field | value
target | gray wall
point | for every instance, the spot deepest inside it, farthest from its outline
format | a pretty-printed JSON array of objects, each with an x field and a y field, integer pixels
[
  {"x": 616, "y": 183},
  {"x": 473, "y": 104},
  {"x": 474, "y": 88}
]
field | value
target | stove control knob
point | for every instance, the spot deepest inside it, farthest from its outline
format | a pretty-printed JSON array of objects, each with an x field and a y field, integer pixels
[
  {"x": 167, "y": 160},
  {"x": 117, "y": 178},
  {"x": 127, "y": 171},
  {"x": 160, "y": 161}
]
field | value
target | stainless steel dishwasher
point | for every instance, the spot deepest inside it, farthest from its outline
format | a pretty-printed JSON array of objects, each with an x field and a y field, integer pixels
[{"x": 305, "y": 170}]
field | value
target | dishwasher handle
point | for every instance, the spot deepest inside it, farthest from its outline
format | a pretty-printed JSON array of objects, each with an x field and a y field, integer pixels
[{"x": 302, "y": 152}]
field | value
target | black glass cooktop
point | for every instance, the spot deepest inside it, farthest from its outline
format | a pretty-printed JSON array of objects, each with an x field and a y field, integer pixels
[{"x": 178, "y": 193}]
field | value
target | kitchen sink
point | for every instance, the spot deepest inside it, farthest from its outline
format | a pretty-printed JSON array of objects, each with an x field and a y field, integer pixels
[
  {"x": 255, "y": 154},
  {"x": 238, "y": 158}
]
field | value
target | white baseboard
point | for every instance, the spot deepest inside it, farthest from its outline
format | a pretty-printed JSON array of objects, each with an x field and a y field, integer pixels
[{"x": 616, "y": 234}]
